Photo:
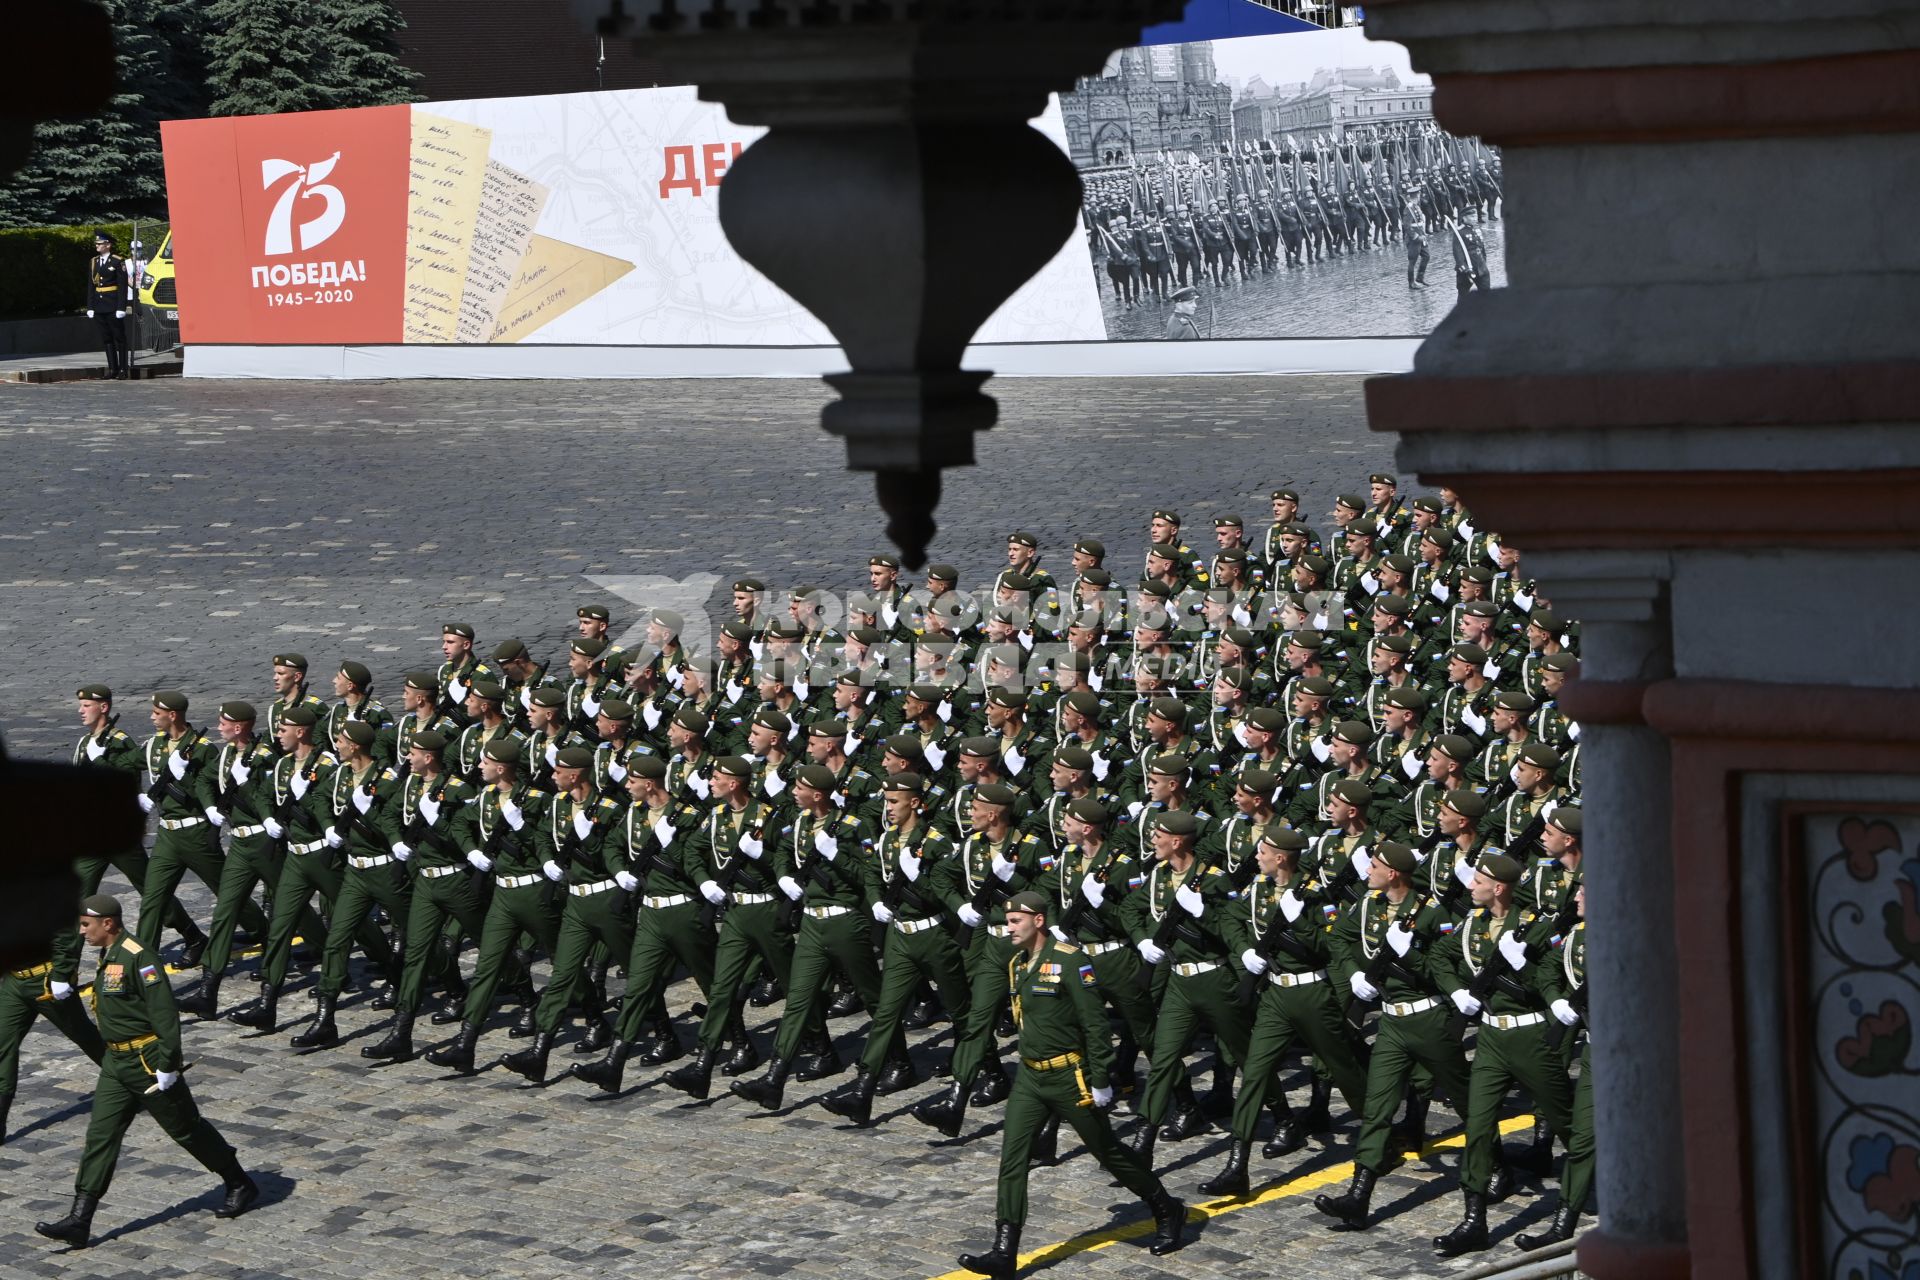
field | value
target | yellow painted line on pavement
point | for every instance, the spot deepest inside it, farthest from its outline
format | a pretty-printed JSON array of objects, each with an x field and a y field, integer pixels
[{"x": 1204, "y": 1210}]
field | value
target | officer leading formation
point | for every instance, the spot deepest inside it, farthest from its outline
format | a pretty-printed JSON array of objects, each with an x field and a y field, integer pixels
[{"x": 1307, "y": 797}]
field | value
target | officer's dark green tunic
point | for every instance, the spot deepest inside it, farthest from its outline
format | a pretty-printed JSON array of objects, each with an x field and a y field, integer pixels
[{"x": 114, "y": 748}]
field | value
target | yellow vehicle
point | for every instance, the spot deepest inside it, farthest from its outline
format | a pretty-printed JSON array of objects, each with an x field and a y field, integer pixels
[{"x": 157, "y": 289}]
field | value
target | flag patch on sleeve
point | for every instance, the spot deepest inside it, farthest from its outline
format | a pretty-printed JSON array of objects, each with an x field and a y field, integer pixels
[
  {"x": 1086, "y": 976},
  {"x": 150, "y": 973}
]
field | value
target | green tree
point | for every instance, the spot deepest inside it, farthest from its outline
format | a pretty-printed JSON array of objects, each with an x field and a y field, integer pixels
[{"x": 304, "y": 55}]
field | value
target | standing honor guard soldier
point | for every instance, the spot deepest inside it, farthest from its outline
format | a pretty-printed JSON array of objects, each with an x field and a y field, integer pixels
[
  {"x": 141, "y": 1069},
  {"x": 107, "y": 304}
]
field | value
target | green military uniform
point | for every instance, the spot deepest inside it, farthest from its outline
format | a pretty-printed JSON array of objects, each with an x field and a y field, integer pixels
[
  {"x": 1563, "y": 979},
  {"x": 661, "y": 851},
  {"x": 918, "y": 948},
  {"x": 734, "y": 844},
  {"x": 427, "y": 821},
  {"x": 500, "y": 829},
  {"x": 969, "y": 878},
  {"x": 1098, "y": 928},
  {"x": 825, "y": 858},
  {"x": 31, "y": 992},
  {"x": 178, "y": 795},
  {"x": 361, "y": 809},
  {"x": 580, "y": 840},
  {"x": 113, "y": 748}
]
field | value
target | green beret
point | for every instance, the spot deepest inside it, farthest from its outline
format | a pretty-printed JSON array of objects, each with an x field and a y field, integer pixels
[
  {"x": 1085, "y": 701},
  {"x": 574, "y": 758},
  {"x": 1395, "y": 644},
  {"x": 1513, "y": 700},
  {"x": 548, "y": 696},
  {"x": 805, "y": 592},
  {"x": 1441, "y": 538},
  {"x": 456, "y": 629},
  {"x": 1540, "y": 754},
  {"x": 1407, "y": 698},
  {"x": 1566, "y": 817},
  {"x": 1472, "y": 573},
  {"x": 931, "y": 694},
  {"x": 1468, "y": 804},
  {"x": 1480, "y": 609},
  {"x": 1316, "y": 564},
  {"x": 298, "y": 661},
  {"x": 1227, "y": 522},
  {"x": 868, "y": 636},
  {"x": 1471, "y": 654},
  {"x": 1178, "y": 822},
  {"x": 304, "y": 717},
  {"x": 616, "y": 709},
  {"x": 171, "y": 700},
  {"x": 427, "y": 740},
  {"x": 587, "y": 646},
  {"x": 1560, "y": 662},
  {"x": 834, "y": 727},
  {"x": 1290, "y": 495},
  {"x": 817, "y": 776},
  {"x": 1453, "y": 746},
  {"x": 1545, "y": 619},
  {"x": 1498, "y": 866},
  {"x": 669, "y": 619},
  {"x": 943, "y": 573},
  {"x": 689, "y": 717},
  {"x": 748, "y": 584},
  {"x": 1397, "y": 606},
  {"x": 1028, "y": 901},
  {"x": 1098, "y": 577},
  {"x": 1170, "y": 765},
  {"x": 1233, "y": 555},
  {"x": 906, "y": 782},
  {"x": 1014, "y": 699},
  {"x": 885, "y": 561},
  {"x": 1427, "y": 504},
  {"x": 1267, "y": 719},
  {"x": 487, "y": 690},
  {"x": 734, "y": 766},
  {"x": 1350, "y": 502},
  {"x": 237, "y": 711},
  {"x": 594, "y": 612},
  {"x": 985, "y": 748},
  {"x": 1381, "y": 477},
  {"x": 509, "y": 651},
  {"x": 1155, "y": 588},
  {"x": 1355, "y": 732},
  {"x": 904, "y": 745},
  {"x": 1090, "y": 811},
  {"x": 1308, "y": 639},
  {"x": 1170, "y": 516},
  {"x": 773, "y": 718},
  {"x": 1397, "y": 856},
  {"x": 104, "y": 905},
  {"x": 650, "y": 767},
  {"x": 1281, "y": 836},
  {"x": 1352, "y": 790},
  {"x": 738, "y": 629},
  {"x": 1169, "y": 551},
  {"x": 1361, "y": 529},
  {"x": 1235, "y": 677},
  {"x": 358, "y": 732},
  {"x": 507, "y": 751},
  {"x": 1258, "y": 782},
  {"x": 421, "y": 682},
  {"x": 357, "y": 674},
  {"x": 94, "y": 693},
  {"x": 1240, "y": 636},
  {"x": 1074, "y": 757},
  {"x": 1316, "y": 687},
  {"x": 996, "y": 793},
  {"x": 1012, "y": 581},
  {"x": 1171, "y": 710},
  {"x": 1092, "y": 547}
]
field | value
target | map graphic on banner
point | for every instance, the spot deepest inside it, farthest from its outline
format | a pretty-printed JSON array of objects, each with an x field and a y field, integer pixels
[{"x": 1280, "y": 186}]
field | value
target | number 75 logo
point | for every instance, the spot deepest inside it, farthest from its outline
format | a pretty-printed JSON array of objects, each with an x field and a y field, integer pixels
[{"x": 308, "y": 184}]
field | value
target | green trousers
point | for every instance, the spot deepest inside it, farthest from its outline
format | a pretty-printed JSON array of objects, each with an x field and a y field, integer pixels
[
  {"x": 301, "y": 876},
  {"x": 119, "y": 1095},
  {"x": 837, "y": 942},
  {"x": 662, "y": 938},
  {"x": 195, "y": 849},
  {"x": 1060, "y": 1092},
  {"x": 436, "y": 900},
  {"x": 24, "y": 999},
  {"x": 1576, "y": 1173},
  {"x": 1501, "y": 1060},
  {"x": 596, "y": 919},
  {"x": 1192, "y": 1001},
  {"x": 973, "y": 1042},
  {"x": 1401, "y": 1044},
  {"x": 749, "y": 937},
  {"x": 250, "y": 862},
  {"x": 908, "y": 959},
  {"x": 133, "y": 865},
  {"x": 1288, "y": 1016},
  {"x": 523, "y": 909},
  {"x": 1118, "y": 973},
  {"x": 360, "y": 889}
]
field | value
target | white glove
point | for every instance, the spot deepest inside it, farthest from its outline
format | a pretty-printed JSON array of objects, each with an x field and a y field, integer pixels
[
  {"x": 64, "y": 990},
  {"x": 1362, "y": 862},
  {"x": 215, "y": 816},
  {"x": 362, "y": 799},
  {"x": 712, "y": 892},
  {"x": 1473, "y": 720},
  {"x": 1100, "y": 767},
  {"x": 936, "y": 756},
  {"x": 274, "y": 829},
  {"x": 1514, "y": 950},
  {"x": 403, "y": 851},
  {"x": 334, "y": 838},
  {"x": 626, "y": 880},
  {"x": 430, "y": 809},
  {"x": 701, "y": 787},
  {"x": 240, "y": 773},
  {"x": 1361, "y": 988},
  {"x": 881, "y": 913},
  {"x": 802, "y": 690},
  {"x": 663, "y": 831},
  {"x": 734, "y": 692},
  {"x": 1253, "y": 962},
  {"x": 616, "y": 771},
  {"x": 1490, "y": 669},
  {"x": 1523, "y": 601},
  {"x": 511, "y": 812},
  {"x": 1093, "y": 891},
  {"x": 165, "y": 1080},
  {"x": 1103, "y": 1096},
  {"x": 1148, "y": 952},
  {"x": 1463, "y": 871},
  {"x": 94, "y": 749},
  {"x": 791, "y": 887},
  {"x": 751, "y": 847},
  {"x": 1371, "y": 583},
  {"x": 553, "y": 756},
  {"x": 1410, "y": 765},
  {"x": 121, "y": 315},
  {"x": 1015, "y": 761},
  {"x": 1463, "y": 1001},
  {"x": 1190, "y": 900},
  {"x": 146, "y": 802},
  {"x": 1441, "y": 592},
  {"x": 552, "y": 870},
  {"x": 298, "y": 784},
  {"x": 828, "y": 846},
  {"x": 969, "y": 917},
  {"x": 651, "y": 714},
  {"x": 479, "y": 861},
  {"x": 1133, "y": 810},
  {"x": 590, "y": 704},
  {"x": 909, "y": 865},
  {"x": 1003, "y": 869},
  {"x": 177, "y": 766},
  {"x": 581, "y": 825},
  {"x": 1565, "y": 1012},
  {"x": 1291, "y": 906},
  {"x": 775, "y": 783},
  {"x": 945, "y": 712},
  {"x": 1399, "y": 937},
  {"x": 1321, "y": 751},
  {"x": 456, "y": 691},
  {"x": 89, "y": 315}
]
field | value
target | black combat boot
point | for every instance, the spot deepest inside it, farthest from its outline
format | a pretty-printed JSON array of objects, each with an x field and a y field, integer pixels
[
  {"x": 743, "y": 1059},
  {"x": 1232, "y": 1180},
  {"x": 452, "y": 1009},
  {"x": 524, "y": 1025},
  {"x": 853, "y": 1100},
  {"x": 193, "y": 945},
  {"x": 994, "y": 1086},
  {"x": 818, "y": 1060},
  {"x": 398, "y": 1044},
  {"x": 944, "y": 1112},
  {"x": 696, "y": 1077},
  {"x": 76, "y": 1228},
  {"x": 768, "y": 1090},
  {"x": 1411, "y": 1133},
  {"x": 666, "y": 1047},
  {"x": 263, "y": 1014},
  {"x": 1001, "y": 1260},
  {"x": 896, "y": 1074},
  {"x": 1219, "y": 1101},
  {"x": 1319, "y": 1114},
  {"x": 607, "y": 1072},
  {"x": 1536, "y": 1159},
  {"x": 1169, "y": 1223},
  {"x": 1045, "y": 1151},
  {"x": 765, "y": 992},
  {"x": 6, "y": 1105},
  {"x": 531, "y": 1061},
  {"x": 388, "y": 993},
  {"x": 1566, "y": 1220},
  {"x": 320, "y": 1033},
  {"x": 242, "y": 1194},
  {"x": 1351, "y": 1206},
  {"x": 457, "y": 1056},
  {"x": 846, "y": 1003},
  {"x": 204, "y": 1003},
  {"x": 1470, "y": 1235},
  {"x": 1141, "y": 1143},
  {"x": 1289, "y": 1132},
  {"x": 921, "y": 1014},
  {"x": 1187, "y": 1120},
  {"x": 1500, "y": 1181}
]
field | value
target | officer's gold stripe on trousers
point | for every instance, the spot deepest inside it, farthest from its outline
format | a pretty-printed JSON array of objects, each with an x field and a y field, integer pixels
[{"x": 1203, "y": 1210}]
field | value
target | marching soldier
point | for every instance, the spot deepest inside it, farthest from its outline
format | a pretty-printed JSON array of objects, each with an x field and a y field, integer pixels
[
  {"x": 461, "y": 668},
  {"x": 353, "y": 685},
  {"x": 1563, "y": 983},
  {"x": 289, "y": 691},
  {"x": 42, "y": 990},
  {"x": 180, "y": 794}
]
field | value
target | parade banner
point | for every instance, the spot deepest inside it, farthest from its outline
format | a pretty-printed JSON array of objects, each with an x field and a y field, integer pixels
[{"x": 591, "y": 221}]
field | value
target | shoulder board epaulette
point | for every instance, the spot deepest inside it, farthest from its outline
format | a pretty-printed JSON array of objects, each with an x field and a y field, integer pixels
[
  {"x": 606, "y": 803},
  {"x": 118, "y": 735},
  {"x": 1029, "y": 839},
  {"x": 1066, "y": 948},
  {"x": 386, "y": 775},
  {"x": 131, "y": 943}
]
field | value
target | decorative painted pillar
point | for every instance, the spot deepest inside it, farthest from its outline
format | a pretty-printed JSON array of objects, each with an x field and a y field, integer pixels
[{"x": 1693, "y": 408}]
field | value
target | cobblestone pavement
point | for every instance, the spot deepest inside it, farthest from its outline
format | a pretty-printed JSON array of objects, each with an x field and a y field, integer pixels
[{"x": 177, "y": 533}]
